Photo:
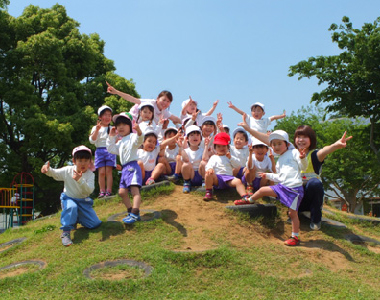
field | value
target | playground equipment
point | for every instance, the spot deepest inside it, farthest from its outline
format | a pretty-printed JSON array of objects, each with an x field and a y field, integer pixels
[{"x": 17, "y": 202}]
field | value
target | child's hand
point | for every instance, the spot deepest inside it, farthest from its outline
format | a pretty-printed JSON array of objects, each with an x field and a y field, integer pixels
[
  {"x": 195, "y": 115},
  {"x": 118, "y": 167},
  {"x": 263, "y": 175},
  {"x": 250, "y": 148},
  {"x": 284, "y": 113},
  {"x": 244, "y": 123},
  {"x": 45, "y": 168},
  {"x": 219, "y": 117},
  {"x": 210, "y": 172},
  {"x": 215, "y": 103},
  {"x": 207, "y": 141},
  {"x": 111, "y": 89},
  {"x": 270, "y": 154},
  {"x": 113, "y": 131},
  {"x": 228, "y": 154},
  {"x": 98, "y": 125},
  {"x": 230, "y": 105},
  {"x": 302, "y": 153},
  {"x": 136, "y": 127},
  {"x": 77, "y": 175}
]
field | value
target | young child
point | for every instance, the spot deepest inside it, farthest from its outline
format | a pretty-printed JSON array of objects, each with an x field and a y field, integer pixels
[
  {"x": 147, "y": 157},
  {"x": 219, "y": 169},
  {"x": 189, "y": 108},
  {"x": 126, "y": 148},
  {"x": 239, "y": 151},
  {"x": 289, "y": 189},
  {"x": 79, "y": 183},
  {"x": 145, "y": 117},
  {"x": 209, "y": 130},
  {"x": 194, "y": 158},
  {"x": 258, "y": 162},
  {"x": 170, "y": 157},
  {"x": 161, "y": 104},
  {"x": 257, "y": 122},
  {"x": 105, "y": 162}
]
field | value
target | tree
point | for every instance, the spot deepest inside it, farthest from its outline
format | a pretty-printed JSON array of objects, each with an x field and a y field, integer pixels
[
  {"x": 52, "y": 79},
  {"x": 352, "y": 77},
  {"x": 350, "y": 174}
]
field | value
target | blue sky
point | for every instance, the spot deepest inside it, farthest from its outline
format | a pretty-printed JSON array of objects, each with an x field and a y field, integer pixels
[{"x": 237, "y": 51}]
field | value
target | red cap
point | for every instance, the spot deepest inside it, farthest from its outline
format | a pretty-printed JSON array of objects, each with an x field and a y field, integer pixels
[{"x": 222, "y": 138}]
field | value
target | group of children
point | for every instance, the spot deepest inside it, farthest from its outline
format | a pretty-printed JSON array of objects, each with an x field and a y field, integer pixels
[{"x": 199, "y": 149}]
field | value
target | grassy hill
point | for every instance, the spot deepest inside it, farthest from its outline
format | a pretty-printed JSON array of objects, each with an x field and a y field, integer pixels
[{"x": 196, "y": 250}]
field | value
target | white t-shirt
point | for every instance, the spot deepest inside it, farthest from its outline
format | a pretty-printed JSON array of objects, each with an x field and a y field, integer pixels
[
  {"x": 222, "y": 165},
  {"x": 157, "y": 113},
  {"x": 101, "y": 140},
  {"x": 126, "y": 148},
  {"x": 241, "y": 155},
  {"x": 259, "y": 125},
  {"x": 264, "y": 166},
  {"x": 148, "y": 158},
  {"x": 198, "y": 119},
  {"x": 171, "y": 154},
  {"x": 195, "y": 157},
  {"x": 75, "y": 189}
]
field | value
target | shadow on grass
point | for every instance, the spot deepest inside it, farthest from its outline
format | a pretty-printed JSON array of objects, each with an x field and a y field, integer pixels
[
  {"x": 107, "y": 229},
  {"x": 169, "y": 216}
]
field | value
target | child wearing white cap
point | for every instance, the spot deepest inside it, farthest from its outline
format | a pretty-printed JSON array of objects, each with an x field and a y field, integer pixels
[
  {"x": 105, "y": 162},
  {"x": 190, "y": 109},
  {"x": 289, "y": 189},
  {"x": 239, "y": 151},
  {"x": 79, "y": 183},
  {"x": 170, "y": 156},
  {"x": 257, "y": 122}
]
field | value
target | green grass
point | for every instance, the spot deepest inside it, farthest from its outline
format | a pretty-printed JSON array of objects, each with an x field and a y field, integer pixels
[{"x": 258, "y": 270}]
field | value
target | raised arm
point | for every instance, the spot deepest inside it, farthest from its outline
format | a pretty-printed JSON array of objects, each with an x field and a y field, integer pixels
[
  {"x": 125, "y": 96},
  {"x": 212, "y": 109},
  {"x": 259, "y": 135},
  {"x": 239, "y": 111},
  {"x": 277, "y": 117},
  {"x": 339, "y": 144}
]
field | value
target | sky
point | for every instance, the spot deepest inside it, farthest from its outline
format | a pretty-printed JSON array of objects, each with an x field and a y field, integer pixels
[{"x": 237, "y": 51}]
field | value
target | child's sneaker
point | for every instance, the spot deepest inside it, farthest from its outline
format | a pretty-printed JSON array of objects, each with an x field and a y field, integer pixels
[
  {"x": 250, "y": 190},
  {"x": 173, "y": 178},
  {"x": 108, "y": 194},
  {"x": 131, "y": 218},
  {"x": 208, "y": 195},
  {"x": 66, "y": 239},
  {"x": 243, "y": 201},
  {"x": 293, "y": 241},
  {"x": 102, "y": 195},
  {"x": 186, "y": 187},
  {"x": 150, "y": 181}
]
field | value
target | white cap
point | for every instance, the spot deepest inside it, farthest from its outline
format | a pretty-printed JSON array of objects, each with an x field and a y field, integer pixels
[
  {"x": 193, "y": 128},
  {"x": 170, "y": 128},
  {"x": 102, "y": 108},
  {"x": 279, "y": 135},
  {"x": 226, "y": 126},
  {"x": 150, "y": 131},
  {"x": 145, "y": 103},
  {"x": 239, "y": 129},
  {"x": 208, "y": 118},
  {"x": 187, "y": 101},
  {"x": 258, "y": 104},
  {"x": 256, "y": 142},
  {"x": 81, "y": 148},
  {"x": 124, "y": 115}
]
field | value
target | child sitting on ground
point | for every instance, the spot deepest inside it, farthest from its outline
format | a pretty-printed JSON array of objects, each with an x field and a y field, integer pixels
[
  {"x": 257, "y": 122},
  {"x": 170, "y": 157},
  {"x": 239, "y": 151},
  {"x": 79, "y": 183},
  {"x": 105, "y": 162},
  {"x": 126, "y": 148},
  {"x": 289, "y": 189},
  {"x": 219, "y": 169},
  {"x": 258, "y": 162},
  {"x": 194, "y": 158},
  {"x": 147, "y": 157}
]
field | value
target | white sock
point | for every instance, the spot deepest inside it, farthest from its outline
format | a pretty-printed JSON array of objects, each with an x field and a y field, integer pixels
[{"x": 295, "y": 234}]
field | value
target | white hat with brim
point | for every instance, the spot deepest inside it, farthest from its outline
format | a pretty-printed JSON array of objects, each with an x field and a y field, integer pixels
[
  {"x": 123, "y": 114},
  {"x": 145, "y": 103},
  {"x": 258, "y": 104},
  {"x": 81, "y": 148},
  {"x": 170, "y": 129},
  {"x": 208, "y": 118},
  {"x": 150, "y": 131},
  {"x": 239, "y": 129},
  {"x": 103, "y": 108},
  {"x": 187, "y": 101},
  {"x": 257, "y": 142},
  {"x": 193, "y": 128},
  {"x": 279, "y": 135}
]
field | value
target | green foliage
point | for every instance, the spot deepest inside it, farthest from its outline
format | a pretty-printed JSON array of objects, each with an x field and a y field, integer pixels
[
  {"x": 52, "y": 80},
  {"x": 352, "y": 77}
]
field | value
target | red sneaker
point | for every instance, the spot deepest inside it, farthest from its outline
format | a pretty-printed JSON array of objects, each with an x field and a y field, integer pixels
[
  {"x": 208, "y": 196},
  {"x": 250, "y": 190},
  {"x": 293, "y": 241},
  {"x": 243, "y": 201}
]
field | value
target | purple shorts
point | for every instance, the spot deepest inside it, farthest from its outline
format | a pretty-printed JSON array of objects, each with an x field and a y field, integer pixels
[
  {"x": 255, "y": 183},
  {"x": 172, "y": 165},
  {"x": 148, "y": 174},
  {"x": 290, "y": 197},
  {"x": 130, "y": 175},
  {"x": 104, "y": 159},
  {"x": 222, "y": 181},
  {"x": 197, "y": 179},
  {"x": 240, "y": 174}
]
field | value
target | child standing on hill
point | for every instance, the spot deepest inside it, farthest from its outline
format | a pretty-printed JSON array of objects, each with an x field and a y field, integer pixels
[
  {"x": 289, "y": 189},
  {"x": 161, "y": 105},
  {"x": 219, "y": 169},
  {"x": 126, "y": 148},
  {"x": 257, "y": 122},
  {"x": 105, "y": 162},
  {"x": 79, "y": 183}
]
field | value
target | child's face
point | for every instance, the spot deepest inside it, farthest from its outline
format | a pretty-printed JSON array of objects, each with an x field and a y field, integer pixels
[
  {"x": 163, "y": 102},
  {"x": 279, "y": 146},
  {"x": 106, "y": 118},
  {"x": 123, "y": 129},
  {"x": 260, "y": 152},
  {"x": 302, "y": 142},
  {"x": 257, "y": 112},
  {"x": 221, "y": 149},
  {"x": 170, "y": 135},
  {"x": 207, "y": 130},
  {"x": 150, "y": 143},
  {"x": 82, "y": 164},
  {"x": 239, "y": 140},
  {"x": 146, "y": 114},
  {"x": 192, "y": 108},
  {"x": 194, "y": 138}
]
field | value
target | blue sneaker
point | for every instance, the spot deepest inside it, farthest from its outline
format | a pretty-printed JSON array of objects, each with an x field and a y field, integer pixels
[
  {"x": 131, "y": 218},
  {"x": 186, "y": 187}
]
